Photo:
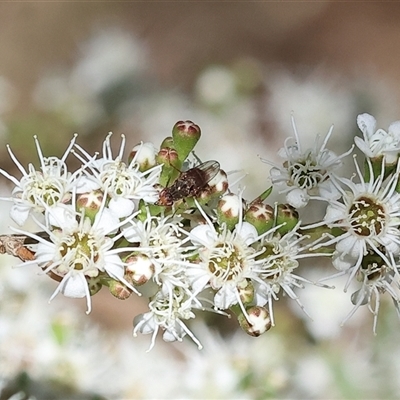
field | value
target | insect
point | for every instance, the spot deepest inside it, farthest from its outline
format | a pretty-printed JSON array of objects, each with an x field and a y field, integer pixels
[{"x": 189, "y": 183}]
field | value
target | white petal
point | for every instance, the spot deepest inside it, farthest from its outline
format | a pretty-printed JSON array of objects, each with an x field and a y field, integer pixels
[
  {"x": 276, "y": 173},
  {"x": 114, "y": 266},
  {"x": 19, "y": 214},
  {"x": 132, "y": 231},
  {"x": 350, "y": 245},
  {"x": 107, "y": 221},
  {"x": 202, "y": 235},
  {"x": 247, "y": 232},
  {"x": 121, "y": 207},
  {"x": 86, "y": 185},
  {"x": 146, "y": 327},
  {"x": 198, "y": 277},
  {"x": 342, "y": 263},
  {"x": 364, "y": 147},
  {"x": 334, "y": 213},
  {"x": 328, "y": 190},
  {"x": 75, "y": 286},
  {"x": 62, "y": 216},
  {"x": 297, "y": 198},
  {"x": 388, "y": 241},
  {"x": 45, "y": 252},
  {"x": 394, "y": 128},
  {"x": 225, "y": 297},
  {"x": 169, "y": 337},
  {"x": 367, "y": 124}
]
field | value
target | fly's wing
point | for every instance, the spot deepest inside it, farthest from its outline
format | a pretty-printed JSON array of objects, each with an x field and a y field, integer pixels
[
  {"x": 209, "y": 169},
  {"x": 190, "y": 182}
]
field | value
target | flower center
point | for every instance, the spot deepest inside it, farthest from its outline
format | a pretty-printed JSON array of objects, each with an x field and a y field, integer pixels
[
  {"x": 374, "y": 269},
  {"x": 121, "y": 181},
  {"x": 40, "y": 189},
  {"x": 367, "y": 218},
  {"x": 164, "y": 241},
  {"x": 79, "y": 251},
  {"x": 306, "y": 174},
  {"x": 168, "y": 308},
  {"x": 277, "y": 261},
  {"x": 226, "y": 263}
]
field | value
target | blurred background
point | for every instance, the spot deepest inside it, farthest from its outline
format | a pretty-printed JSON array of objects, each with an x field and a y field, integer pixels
[{"x": 239, "y": 70}]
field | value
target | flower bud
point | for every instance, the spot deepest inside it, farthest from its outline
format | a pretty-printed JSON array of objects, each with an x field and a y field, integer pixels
[
  {"x": 219, "y": 184},
  {"x": 118, "y": 289},
  {"x": 139, "y": 269},
  {"x": 258, "y": 322},
  {"x": 185, "y": 134},
  {"x": 171, "y": 165},
  {"x": 90, "y": 202},
  {"x": 143, "y": 154},
  {"x": 168, "y": 142},
  {"x": 261, "y": 216},
  {"x": 246, "y": 291},
  {"x": 288, "y": 216},
  {"x": 228, "y": 209}
]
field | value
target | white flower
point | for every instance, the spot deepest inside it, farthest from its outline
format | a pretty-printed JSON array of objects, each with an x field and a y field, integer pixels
[
  {"x": 238, "y": 262},
  {"x": 306, "y": 173},
  {"x": 376, "y": 277},
  {"x": 78, "y": 252},
  {"x": 369, "y": 216},
  {"x": 39, "y": 191},
  {"x": 276, "y": 265},
  {"x": 159, "y": 239},
  {"x": 124, "y": 183},
  {"x": 167, "y": 313},
  {"x": 226, "y": 260},
  {"x": 378, "y": 143}
]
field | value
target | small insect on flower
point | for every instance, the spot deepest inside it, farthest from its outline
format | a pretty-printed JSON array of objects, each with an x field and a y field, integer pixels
[{"x": 189, "y": 183}]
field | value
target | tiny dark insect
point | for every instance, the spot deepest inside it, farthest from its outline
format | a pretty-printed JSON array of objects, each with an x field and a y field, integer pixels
[{"x": 189, "y": 183}]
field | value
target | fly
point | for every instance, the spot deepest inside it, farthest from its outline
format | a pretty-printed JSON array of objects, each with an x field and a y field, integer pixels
[{"x": 190, "y": 183}]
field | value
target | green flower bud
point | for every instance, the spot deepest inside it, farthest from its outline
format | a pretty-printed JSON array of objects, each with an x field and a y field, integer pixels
[
  {"x": 168, "y": 142},
  {"x": 258, "y": 322},
  {"x": 185, "y": 134},
  {"x": 118, "y": 289},
  {"x": 261, "y": 216},
  {"x": 171, "y": 166},
  {"x": 202, "y": 198},
  {"x": 228, "y": 209},
  {"x": 288, "y": 216},
  {"x": 90, "y": 203}
]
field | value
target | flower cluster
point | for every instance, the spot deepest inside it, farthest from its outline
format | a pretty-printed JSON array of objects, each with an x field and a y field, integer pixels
[
  {"x": 361, "y": 223},
  {"x": 164, "y": 225}
]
